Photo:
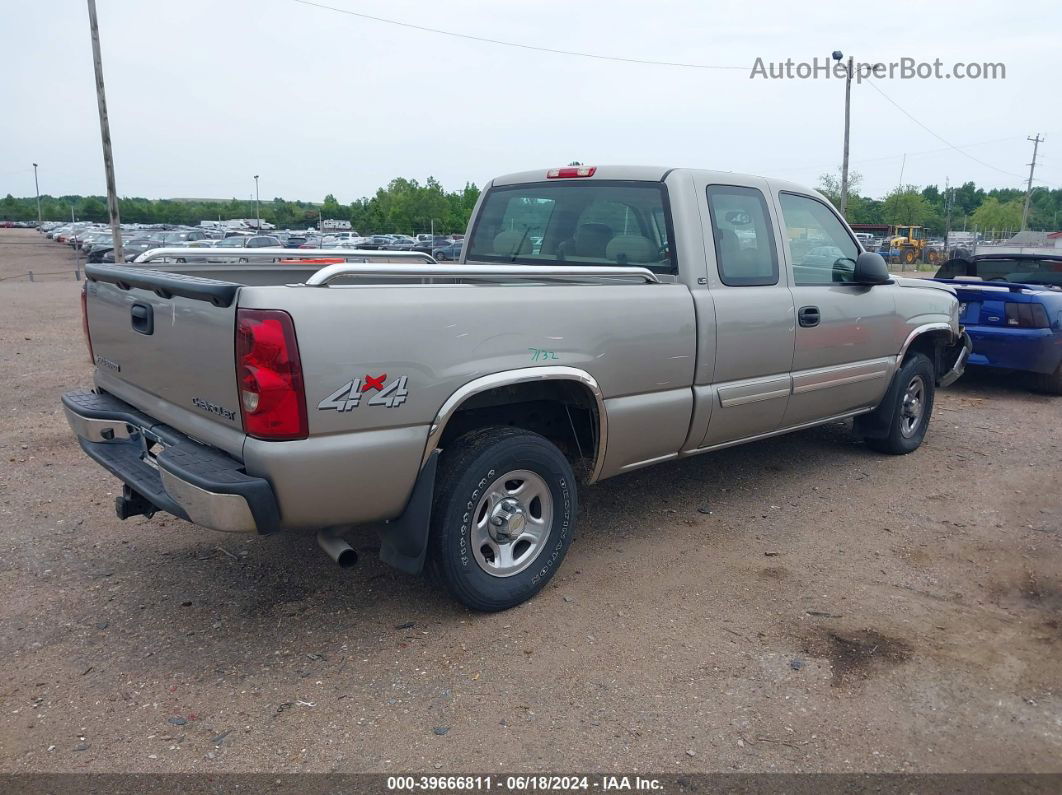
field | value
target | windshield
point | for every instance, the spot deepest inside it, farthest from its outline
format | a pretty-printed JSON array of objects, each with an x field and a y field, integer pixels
[
  {"x": 1005, "y": 269},
  {"x": 579, "y": 223}
]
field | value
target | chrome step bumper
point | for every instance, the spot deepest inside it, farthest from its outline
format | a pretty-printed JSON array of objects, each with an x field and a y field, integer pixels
[{"x": 184, "y": 478}]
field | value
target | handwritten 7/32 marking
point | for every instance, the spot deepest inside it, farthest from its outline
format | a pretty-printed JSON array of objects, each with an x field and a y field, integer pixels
[{"x": 539, "y": 355}]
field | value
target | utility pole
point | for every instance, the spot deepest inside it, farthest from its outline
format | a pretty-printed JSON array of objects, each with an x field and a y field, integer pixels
[
  {"x": 37, "y": 186},
  {"x": 837, "y": 55},
  {"x": 847, "y": 127},
  {"x": 105, "y": 134},
  {"x": 1028, "y": 188},
  {"x": 947, "y": 213},
  {"x": 257, "y": 219}
]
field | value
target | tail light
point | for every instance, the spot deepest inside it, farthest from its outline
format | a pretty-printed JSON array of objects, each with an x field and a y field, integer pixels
[
  {"x": 84, "y": 320},
  {"x": 571, "y": 171},
  {"x": 1026, "y": 315},
  {"x": 269, "y": 375}
]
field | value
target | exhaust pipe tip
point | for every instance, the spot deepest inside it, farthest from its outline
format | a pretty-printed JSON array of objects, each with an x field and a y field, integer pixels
[{"x": 337, "y": 549}]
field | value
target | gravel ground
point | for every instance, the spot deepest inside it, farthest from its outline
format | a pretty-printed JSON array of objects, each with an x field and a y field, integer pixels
[{"x": 801, "y": 604}]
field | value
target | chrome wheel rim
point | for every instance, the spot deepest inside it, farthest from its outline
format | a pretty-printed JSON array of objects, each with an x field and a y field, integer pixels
[
  {"x": 913, "y": 407},
  {"x": 511, "y": 523}
]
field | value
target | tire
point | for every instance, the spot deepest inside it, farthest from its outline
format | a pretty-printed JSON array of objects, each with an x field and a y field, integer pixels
[
  {"x": 909, "y": 256},
  {"x": 491, "y": 479},
  {"x": 1051, "y": 383},
  {"x": 441, "y": 257},
  {"x": 914, "y": 397}
]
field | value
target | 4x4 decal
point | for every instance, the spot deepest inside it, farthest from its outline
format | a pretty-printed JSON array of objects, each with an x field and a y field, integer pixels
[{"x": 347, "y": 397}]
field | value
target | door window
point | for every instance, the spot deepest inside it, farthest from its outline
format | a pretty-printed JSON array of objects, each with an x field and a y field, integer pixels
[
  {"x": 821, "y": 249},
  {"x": 744, "y": 239}
]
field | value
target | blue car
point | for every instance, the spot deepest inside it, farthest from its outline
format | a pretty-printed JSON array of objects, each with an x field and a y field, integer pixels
[{"x": 1011, "y": 305}]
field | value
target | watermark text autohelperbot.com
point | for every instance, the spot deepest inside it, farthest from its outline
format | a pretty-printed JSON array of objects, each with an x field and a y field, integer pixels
[{"x": 903, "y": 69}]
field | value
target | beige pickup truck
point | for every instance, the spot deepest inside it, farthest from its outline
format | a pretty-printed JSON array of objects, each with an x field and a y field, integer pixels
[{"x": 600, "y": 320}]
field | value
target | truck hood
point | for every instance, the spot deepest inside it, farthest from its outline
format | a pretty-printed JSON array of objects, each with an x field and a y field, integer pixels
[{"x": 926, "y": 284}]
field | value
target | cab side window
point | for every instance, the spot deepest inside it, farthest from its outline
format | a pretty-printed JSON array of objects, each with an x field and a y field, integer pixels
[
  {"x": 822, "y": 250},
  {"x": 744, "y": 239}
]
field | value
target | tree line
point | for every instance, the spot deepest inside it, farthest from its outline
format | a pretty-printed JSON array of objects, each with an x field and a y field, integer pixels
[
  {"x": 402, "y": 206},
  {"x": 995, "y": 210},
  {"x": 409, "y": 207}
]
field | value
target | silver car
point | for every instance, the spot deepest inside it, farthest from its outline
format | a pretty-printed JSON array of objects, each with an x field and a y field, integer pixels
[{"x": 599, "y": 320}]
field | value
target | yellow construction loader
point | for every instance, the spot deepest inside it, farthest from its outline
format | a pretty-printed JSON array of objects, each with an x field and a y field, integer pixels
[{"x": 909, "y": 242}]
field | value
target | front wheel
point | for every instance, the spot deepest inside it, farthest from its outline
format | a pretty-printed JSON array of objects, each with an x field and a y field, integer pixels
[
  {"x": 912, "y": 410},
  {"x": 503, "y": 517}
]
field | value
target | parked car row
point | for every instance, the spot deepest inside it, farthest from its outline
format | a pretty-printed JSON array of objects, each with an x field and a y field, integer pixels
[{"x": 96, "y": 241}]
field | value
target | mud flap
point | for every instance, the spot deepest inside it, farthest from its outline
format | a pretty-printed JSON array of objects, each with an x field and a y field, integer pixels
[
  {"x": 877, "y": 423},
  {"x": 404, "y": 541}
]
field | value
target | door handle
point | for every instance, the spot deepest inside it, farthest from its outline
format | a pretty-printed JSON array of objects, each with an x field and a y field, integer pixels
[{"x": 808, "y": 316}]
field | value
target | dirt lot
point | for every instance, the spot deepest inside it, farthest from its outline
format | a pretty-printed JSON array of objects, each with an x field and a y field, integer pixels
[{"x": 802, "y": 604}]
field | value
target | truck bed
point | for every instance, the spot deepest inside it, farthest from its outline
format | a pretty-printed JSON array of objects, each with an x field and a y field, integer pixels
[{"x": 357, "y": 326}]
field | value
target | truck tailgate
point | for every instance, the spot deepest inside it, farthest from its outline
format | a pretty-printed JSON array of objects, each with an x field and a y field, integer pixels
[{"x": 148, "y": 340}]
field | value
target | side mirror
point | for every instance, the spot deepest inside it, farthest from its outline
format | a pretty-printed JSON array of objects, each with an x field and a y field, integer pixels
[{"x": 870, "y": 268}]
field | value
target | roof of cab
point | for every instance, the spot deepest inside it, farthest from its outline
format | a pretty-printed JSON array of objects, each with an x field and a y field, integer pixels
[
  {"x": 644, "y": 173},
  {"x": 651, "y": 174}
]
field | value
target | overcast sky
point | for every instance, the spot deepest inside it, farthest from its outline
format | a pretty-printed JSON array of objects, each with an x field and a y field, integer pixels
[{"x": 203, "y": 95}]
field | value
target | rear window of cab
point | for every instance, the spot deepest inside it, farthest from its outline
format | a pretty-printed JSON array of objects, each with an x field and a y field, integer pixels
[{"x": 577, "y": 223}]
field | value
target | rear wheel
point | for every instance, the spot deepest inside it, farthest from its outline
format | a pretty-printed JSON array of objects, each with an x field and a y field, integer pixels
[
  {"x": 909, "y": 256},
  {"x": 912, "y": 410},
  {"x": 503, "y": 517}
]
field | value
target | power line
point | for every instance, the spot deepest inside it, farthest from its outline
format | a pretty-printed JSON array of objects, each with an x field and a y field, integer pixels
[
  {"x": 938, "y": 136},
  {"x": 882, "y": 158},
  {"x": 500, "y": 42},
  {"x": 642, "y": 61},
  {"x": 940, "y": 149}
]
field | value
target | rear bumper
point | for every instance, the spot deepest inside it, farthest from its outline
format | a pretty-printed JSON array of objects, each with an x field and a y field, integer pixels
[
  {"x": 184, "y": 478},
  {"x": 1034, "y": 350},
  {"x": 958, "y": 355}
]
